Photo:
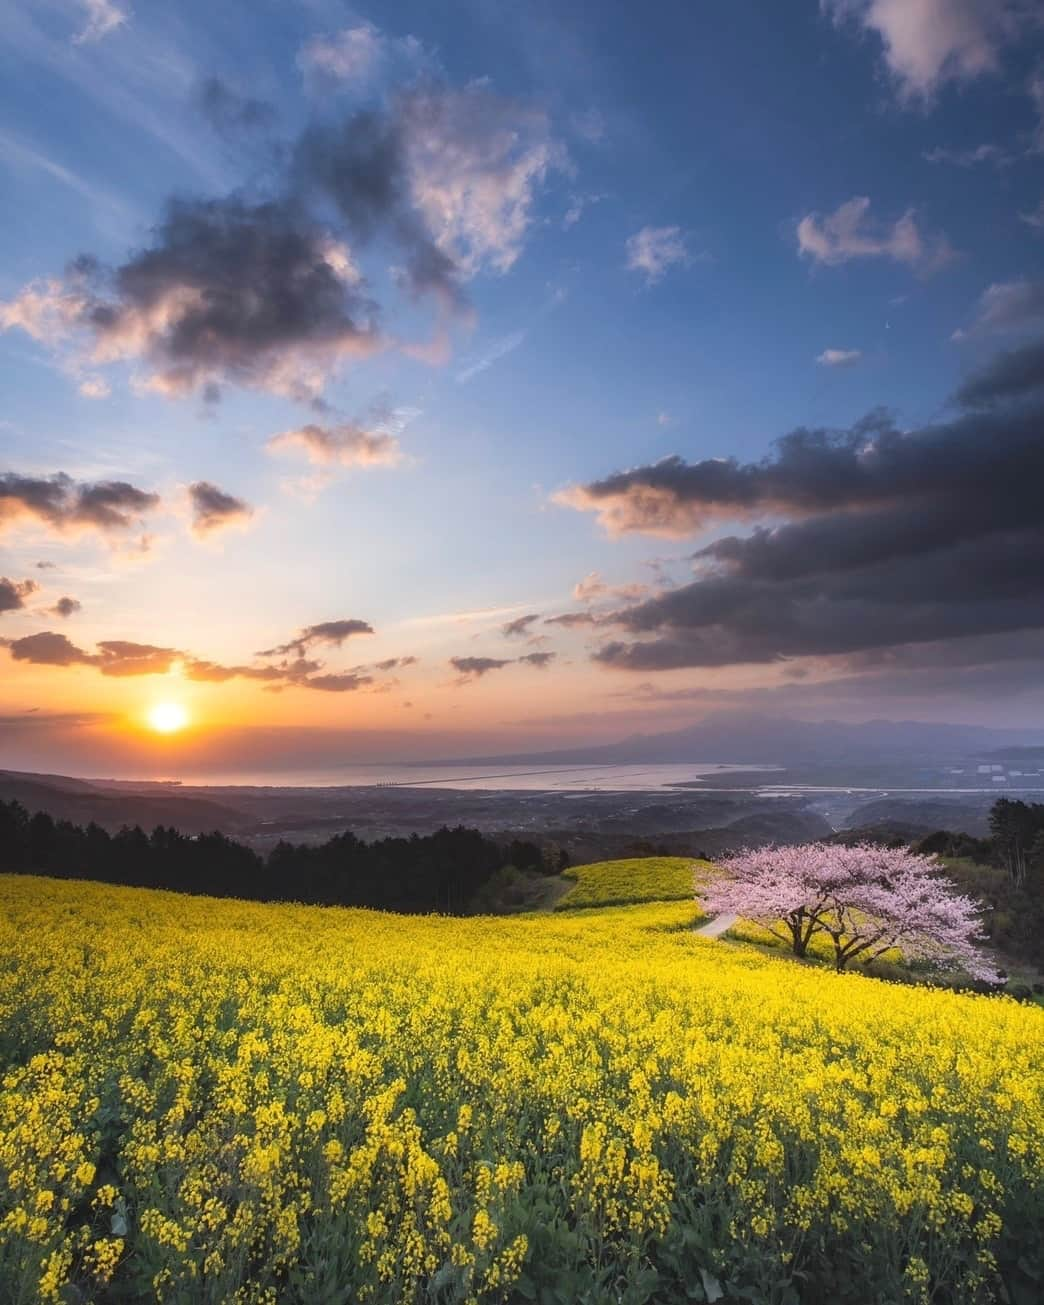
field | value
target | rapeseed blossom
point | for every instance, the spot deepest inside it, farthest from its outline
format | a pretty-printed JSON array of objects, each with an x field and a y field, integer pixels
[
  {"x": 634, "y": 879},
  {"x": 219, "y": 1101}
]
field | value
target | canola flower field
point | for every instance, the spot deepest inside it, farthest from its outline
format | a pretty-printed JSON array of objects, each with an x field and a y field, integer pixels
[
  {"x": 217, "y": 1101},
  {"x": 636, "y": 879}
]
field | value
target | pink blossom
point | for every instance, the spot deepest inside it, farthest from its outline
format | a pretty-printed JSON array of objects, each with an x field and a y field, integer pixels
[{"x": 867, "y": 899}]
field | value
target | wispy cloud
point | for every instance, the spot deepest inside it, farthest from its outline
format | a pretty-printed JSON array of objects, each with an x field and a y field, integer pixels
[
  {"x": 1035, "y": 218},
  {"x": 969, "y": 158},
  {"x": 356, "y": 57},
  {"x": 103, "y": 17},
  {"x": 852, "y": 232},
  {"x": 839, "y": 357},
  {"x": 654, "y": 250},
  {"x": 497, "y": 350},
  {"x": 474, "y": 615},
  {"x": 592, "y": 589},
  {"x": 350, "y": 55},
  {"x": 577, "y": 205},
  {"x": 519, "y": 627},
  {"x": 111, "y": 211},
  {"x": 128, "y": 78},
  {"x": 1007, "y": 306}
]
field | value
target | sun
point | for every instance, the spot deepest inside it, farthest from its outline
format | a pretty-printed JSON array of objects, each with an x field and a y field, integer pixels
[{"x": 167, "y": 717}]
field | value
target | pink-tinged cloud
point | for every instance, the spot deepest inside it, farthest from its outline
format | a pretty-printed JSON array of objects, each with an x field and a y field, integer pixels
[
  {"x": 927, "y": 43},
  {"x": 851, "y": 232},
  {"x": 65, "y": 505},
  {"x": 653, "y": 251},
  {"x": 346, "y": 445}
]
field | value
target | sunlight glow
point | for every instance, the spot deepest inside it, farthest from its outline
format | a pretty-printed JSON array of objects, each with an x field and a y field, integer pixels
[{"x": 168, "y": 717}]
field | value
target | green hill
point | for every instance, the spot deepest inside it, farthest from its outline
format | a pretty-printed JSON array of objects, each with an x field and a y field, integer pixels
[{"x": 637, "y": 879}]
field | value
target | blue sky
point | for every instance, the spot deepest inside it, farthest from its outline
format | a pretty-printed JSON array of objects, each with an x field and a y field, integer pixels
[{"x": 678, "y": 231}]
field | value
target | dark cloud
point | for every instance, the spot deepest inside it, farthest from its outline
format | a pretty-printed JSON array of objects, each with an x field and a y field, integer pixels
[
  {"x": 890, "y": 537},
  {"x": 301, "y": 672},
  {"x": 873, "y": 467},
  {"x": 956, "y": 672},
  {"x": 975, "y": 586},
  {"x": 810, "y": 471},
  {"x": 519, "y": 627},
  {"x": 361, "y": 165},
  {"x": 268, "y": 293},
  {"x": 64, "y": 504},
  {"x": 45, "y": 566},
  {"x": 230, "y": 113},
  {"x": 215, "y": 673},
  {"x": 111, "y": 505},
  {"x": 347, "y": 682},
  {"x": 48, "y": 649},
  {"x": 65, "y": 607},
  {"x": 394, "y": 663},
  {"x": 1011, "y": 375},
  {"x": 13, "y": 593},
  {"x": 227, "y": 290},
  {"x": 447, "y": 176},
  {"x": 325, "y": 632},
  {"x": 255, "y": 293},
  {"x": 334, "y": 632},
  {"x": 213, "y": 509},
  {"x": 122, "y": 657},
  {"x": 473, "y": 668}
]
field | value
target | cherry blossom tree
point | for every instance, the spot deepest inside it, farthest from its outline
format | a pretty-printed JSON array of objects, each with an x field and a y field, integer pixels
[{"x": 866, "y": 899}]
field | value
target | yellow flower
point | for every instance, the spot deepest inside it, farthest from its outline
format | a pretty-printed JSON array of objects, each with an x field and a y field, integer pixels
[{"x": 429, "y": 1094}]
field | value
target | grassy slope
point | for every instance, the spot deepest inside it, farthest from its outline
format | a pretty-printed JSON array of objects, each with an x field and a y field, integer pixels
[{"x": 639, "y": 879}]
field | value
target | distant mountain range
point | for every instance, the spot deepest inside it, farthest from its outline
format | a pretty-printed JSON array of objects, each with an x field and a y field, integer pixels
[{"x": 753, "y": 739}]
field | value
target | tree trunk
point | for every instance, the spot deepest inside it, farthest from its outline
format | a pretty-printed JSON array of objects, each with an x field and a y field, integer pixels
[{"x": 799, "y": 942}]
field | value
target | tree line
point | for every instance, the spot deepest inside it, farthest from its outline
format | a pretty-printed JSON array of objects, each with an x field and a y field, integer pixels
[
  {"x": 433, "y": 872},
  {"x": 1015, "y": 842},
  {"x": 1005, "y": 871}
]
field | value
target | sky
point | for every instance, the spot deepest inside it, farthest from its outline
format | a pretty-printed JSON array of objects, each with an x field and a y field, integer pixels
[{"x": 437, "y": 380}]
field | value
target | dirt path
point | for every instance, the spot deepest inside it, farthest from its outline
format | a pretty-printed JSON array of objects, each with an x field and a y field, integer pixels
[{"x": 716, "y": 927}]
